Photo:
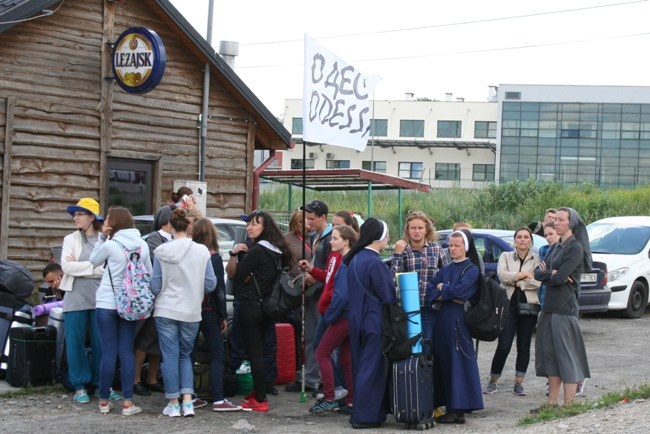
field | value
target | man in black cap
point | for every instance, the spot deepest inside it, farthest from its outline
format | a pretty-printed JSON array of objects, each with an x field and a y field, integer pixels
[{"x": 320, "y": 236}]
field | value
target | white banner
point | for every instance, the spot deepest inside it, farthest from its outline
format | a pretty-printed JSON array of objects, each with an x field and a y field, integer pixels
[{"x": 336, "y": 100}]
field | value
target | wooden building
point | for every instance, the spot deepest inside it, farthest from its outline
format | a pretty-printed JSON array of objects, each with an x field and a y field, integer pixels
[{"x": 67, "y": 130}]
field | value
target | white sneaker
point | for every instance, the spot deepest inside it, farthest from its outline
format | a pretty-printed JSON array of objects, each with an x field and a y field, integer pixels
[
  {"x": 188, "y": 409},
  {"x": 580, "y": 387},
  {"x": 340, "y": 393},
  {"x": 172, "y": 410},
  {"x": 245, "y": 368}
]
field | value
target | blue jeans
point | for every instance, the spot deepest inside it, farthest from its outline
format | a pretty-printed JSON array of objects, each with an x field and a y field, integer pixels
[
  {"x": 117, "y": 340},
  {"x": 81, "y": 370},
  {"x": 523, "y": 326},
  {"x": 176, "y": 340},
  {"x": 211, "y": 329},
  {"x": 428, "y": 325}
]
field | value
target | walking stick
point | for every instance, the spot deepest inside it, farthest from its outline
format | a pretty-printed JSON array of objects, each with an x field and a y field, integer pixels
[{"x": 303, "y": 396}]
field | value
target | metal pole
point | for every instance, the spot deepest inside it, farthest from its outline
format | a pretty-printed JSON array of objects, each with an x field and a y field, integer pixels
[{"x": 206, "y": 98}]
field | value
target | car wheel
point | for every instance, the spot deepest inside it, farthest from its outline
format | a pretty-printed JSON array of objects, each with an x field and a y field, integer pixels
[{"x": 637, "y": 302}]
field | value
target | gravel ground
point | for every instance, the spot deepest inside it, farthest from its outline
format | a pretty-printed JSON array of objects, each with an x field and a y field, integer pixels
[{"x": 615, "y": 347}]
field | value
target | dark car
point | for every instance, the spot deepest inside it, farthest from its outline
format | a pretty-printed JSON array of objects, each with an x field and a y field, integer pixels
[{"x": 491, "y": 243}]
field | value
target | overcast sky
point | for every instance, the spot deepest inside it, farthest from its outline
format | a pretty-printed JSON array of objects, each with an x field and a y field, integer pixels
[{"x": 429, "y": 47}]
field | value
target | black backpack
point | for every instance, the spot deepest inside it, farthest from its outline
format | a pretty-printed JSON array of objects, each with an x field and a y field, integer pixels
[
  {"x": 486, "y": 317},
  {"x": 395, "y": 342},
  {"x": 285, "y": 295}
]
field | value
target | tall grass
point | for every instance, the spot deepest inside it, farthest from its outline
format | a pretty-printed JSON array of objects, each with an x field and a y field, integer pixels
[{"x": 505, "y": 206}]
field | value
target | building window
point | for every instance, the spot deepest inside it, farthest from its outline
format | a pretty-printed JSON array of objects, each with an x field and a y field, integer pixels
[
  {"x": 485, "y": 130},
  {"x": 296, "y": 163},
  {"x": 410, "y": 170},
  {"x": 411, "y": 128},
  {"x": 130, "y": 184},
  {"x": 337, "y": 164},
  {"x": 483, "y": 172},
  {"x": 449, "y": 129},
  {"x": 513, "y": 95},
  {"x": 380, "y": 166},
  {"x": 447, "y": 172},
  {"x": 296, "y": 126},
  {"x": 378, "y": 127}
]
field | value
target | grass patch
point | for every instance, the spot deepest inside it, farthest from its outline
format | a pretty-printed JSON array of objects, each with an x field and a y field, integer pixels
[
  {"x": 29, "y": 391},
  {"x": 606, "y": 401}
]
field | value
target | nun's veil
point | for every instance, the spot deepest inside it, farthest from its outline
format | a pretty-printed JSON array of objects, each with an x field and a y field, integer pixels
[
  {"x": 579, "y": 230},
  {"x": 472, "y": 253},
  {"x": 371, "y": 231}
]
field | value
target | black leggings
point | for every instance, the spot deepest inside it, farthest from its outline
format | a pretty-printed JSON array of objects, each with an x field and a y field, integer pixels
[{"x": 254, "y": 325}]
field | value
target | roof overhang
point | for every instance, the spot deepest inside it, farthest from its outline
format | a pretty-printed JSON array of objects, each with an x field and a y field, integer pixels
[
  {"x": 342, "y": 179},
  {"x": 14, "y": 12},
  {"x": 422, "y": 144}
]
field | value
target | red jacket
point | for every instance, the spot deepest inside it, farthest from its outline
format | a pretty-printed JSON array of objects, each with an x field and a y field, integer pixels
[{"x": 333, "y": 262}]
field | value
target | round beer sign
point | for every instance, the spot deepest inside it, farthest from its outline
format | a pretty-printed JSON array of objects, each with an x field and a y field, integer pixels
[{"x": 139, "y": 60}]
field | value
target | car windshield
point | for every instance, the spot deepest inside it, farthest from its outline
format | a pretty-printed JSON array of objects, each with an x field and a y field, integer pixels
[{"x": 617, "y": 239}]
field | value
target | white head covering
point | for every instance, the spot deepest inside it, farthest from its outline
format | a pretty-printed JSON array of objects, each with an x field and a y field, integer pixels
[{"x": 464, "y": 239}]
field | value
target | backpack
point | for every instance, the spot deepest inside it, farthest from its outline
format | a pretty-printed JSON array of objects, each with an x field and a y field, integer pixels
[
  {"x": 285, "y": 295},
  {"x": 16, "y": 284},
  {"x": 486, "y": 317},
  {"x": 395, "y": 342},
  {"x": 134, "y": 299}
]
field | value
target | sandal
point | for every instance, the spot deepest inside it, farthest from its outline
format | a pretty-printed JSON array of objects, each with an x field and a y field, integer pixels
[{"x": 451, "y": 417}]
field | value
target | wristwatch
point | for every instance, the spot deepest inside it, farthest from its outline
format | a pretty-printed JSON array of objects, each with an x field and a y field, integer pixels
[{"x": 231, "y": 253}]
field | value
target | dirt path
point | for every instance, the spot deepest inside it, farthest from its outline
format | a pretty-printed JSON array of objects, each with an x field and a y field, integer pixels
[{"x": 618, "y": 354}]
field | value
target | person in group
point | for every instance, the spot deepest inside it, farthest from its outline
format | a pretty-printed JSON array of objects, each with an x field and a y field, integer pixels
[
  {"x": 515, "y": 270},
  {"x": 445, "y": 252},
  {"x": 52, "y": 274},
  {"x": 537, "y": 228},
  {"x": 254, "y": 277},
  {"x": 146, "y": 338},
  {"x": 417, "y": 251},
  {"x": 456, "y": 381},
  {"x": 297, "y": 243},
  {"x": 560, "y": 353},
  {"x": 321, "y": 233},
  {"x": 214, "y": 318},
  {"x": 80, "y": 279},
  {"x": 117, "y": 334},
  {"x": 374, "y": 287},
  {"x": 182, "y": 274},
  {"x": 335, "y": 331},
  {"x": 552, "y": 238},
  {"x": 184, "y": 198},
  {"x": 344, "y": 217}
]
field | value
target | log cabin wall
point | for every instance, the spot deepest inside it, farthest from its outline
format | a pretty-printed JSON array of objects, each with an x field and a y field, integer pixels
[{"x": 67, "y": 120}]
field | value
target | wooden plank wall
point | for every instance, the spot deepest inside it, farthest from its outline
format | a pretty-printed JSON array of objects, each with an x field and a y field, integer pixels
[
  {"x": 53, "y": 69},
  {"x": 166, "y": 122}
]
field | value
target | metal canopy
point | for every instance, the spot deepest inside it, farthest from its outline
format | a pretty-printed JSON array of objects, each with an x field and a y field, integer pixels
[{"x": 342, "y": 179}]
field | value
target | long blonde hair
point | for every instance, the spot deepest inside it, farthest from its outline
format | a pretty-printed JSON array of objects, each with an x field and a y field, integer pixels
[{"x": 431, "y": 234}]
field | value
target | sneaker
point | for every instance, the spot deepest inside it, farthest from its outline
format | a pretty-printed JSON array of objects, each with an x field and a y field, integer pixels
[
  {"x": 188, "y": 409},
  {"x": 490, "y": 388},
  {"x": 340, "y": 393},
  {"x": 199, "y": 403},
  {"x": 114, "y": 396},
  {"x": 131, "y": 410},
  {"x": 244, "y": 368},
  {"x": 254, "y": 405},
  {"x": 225, "y": 405},
  {"x": 172, "y": 410},
  {"x": 580, "y": 387},
  {"x": 324, "y": 406},
  {"x": 105, "y": 407},
  {"x": 81, "y": 397},
  {"x": 519, "y": 390},
  {"x": 546, "y": 389},
  {"x": 297, "y": 387},
  {"x": 345, "y": 409},
  {"x": 140, "y": 389}
]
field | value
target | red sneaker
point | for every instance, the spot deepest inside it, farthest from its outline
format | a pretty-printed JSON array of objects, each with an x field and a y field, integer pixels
[{"x": 254, "y": 405}]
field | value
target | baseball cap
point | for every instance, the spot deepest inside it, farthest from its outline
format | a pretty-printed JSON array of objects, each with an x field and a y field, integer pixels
[{"x": 318, "y": 207}]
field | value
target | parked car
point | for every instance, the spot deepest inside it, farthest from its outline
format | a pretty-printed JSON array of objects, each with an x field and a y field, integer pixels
[
  {"x": 491, "y": 243},
  {"x": 623, "y": 243}
]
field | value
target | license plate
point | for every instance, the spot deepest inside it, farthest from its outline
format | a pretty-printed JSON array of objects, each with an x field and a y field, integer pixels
[{"x": 588, "y": 277}]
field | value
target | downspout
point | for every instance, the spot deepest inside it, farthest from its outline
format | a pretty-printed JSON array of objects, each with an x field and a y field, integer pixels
[
  {"x": 256, "y": 177},
  {"x": 206, "y": 98}
]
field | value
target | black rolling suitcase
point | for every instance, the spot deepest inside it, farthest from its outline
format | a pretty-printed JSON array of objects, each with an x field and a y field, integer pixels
[
  {"x": 32, "y": 356},
  {"x": 411, "y": 392},
  {"x": 8, "y": 316}
]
